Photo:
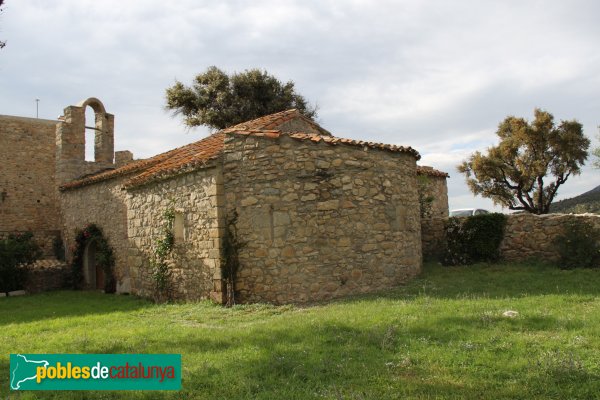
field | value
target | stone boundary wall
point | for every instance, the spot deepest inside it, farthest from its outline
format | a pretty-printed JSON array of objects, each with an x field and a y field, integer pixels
[
  {"x": 47, "y": 275},
  {"x": 320, "y": 221},
  {"x": 530, "y": 236},
  {"x": 195, "y": 260}
]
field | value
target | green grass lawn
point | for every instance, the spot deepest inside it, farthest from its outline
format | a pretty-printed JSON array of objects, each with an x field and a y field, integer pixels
[{"x": 440, "y": 336}]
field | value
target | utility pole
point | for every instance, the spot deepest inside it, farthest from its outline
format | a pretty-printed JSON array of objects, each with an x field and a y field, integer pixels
[{"x": 37, "y": 108}]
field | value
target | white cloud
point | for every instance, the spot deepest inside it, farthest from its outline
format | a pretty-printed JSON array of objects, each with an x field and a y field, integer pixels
[{"x": 433, "y": 74}]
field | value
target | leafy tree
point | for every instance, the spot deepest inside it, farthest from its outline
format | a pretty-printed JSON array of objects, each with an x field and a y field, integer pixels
[
  {"x": 17, "y": 251},
  {"x": 525, "y": 170},
  {"x": 218, "y": 100}
]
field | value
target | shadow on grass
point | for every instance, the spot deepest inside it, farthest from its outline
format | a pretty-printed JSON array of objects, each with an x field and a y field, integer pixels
[
  {"x": 435, "y": 281},
  {"x": 338, "y": 361},
  {"x": 334, "y": 362},
  {"x": 60, "y": 304},
  {"x": 492, "y": 281},
  {"x": 332, "y": 359},
  {"x": 458, "y": 329}
]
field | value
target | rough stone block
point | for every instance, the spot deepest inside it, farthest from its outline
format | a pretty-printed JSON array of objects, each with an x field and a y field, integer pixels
[{"x": 328, "y": 205}]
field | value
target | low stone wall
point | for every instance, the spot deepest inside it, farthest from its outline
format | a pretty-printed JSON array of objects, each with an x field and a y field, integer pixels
[
  {"x": 47, "y": 275},
  {"x": 526, "y": 236},
  {"x": 529, "y": 236}
]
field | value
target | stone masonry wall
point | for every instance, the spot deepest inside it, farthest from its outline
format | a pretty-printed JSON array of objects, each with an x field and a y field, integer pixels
[
  {"x": 70, "y": 142},
  {"x": 432, "y": 223},
  {"x": 103, "y": 204},
  {"x": 320, "y": 221},
  {"x": 195, "y": 260},
  {"x": 28, "y": 195},
  {"x": 530, "y": 236},
  {"x": 433, "y": 238}
]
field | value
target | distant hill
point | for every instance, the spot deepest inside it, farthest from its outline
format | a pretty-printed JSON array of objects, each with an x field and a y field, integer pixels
[{"x": 588, "y": 202}]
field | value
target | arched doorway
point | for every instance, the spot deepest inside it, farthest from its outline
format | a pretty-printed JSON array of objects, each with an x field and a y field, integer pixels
[
  {"x": 93, "y": 274},
  {"x": 93, "y": 261}
]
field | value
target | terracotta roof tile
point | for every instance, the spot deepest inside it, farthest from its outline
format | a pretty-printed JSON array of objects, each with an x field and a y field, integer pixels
[
  {"x": 274, "y": 121},
  {"x": 186, "y": 158},
  {"x": 198, "y": 154},
  {"x": 130, "y": 168},
  {"x": 175, "y": 159},
  {"x": 332, "y": 140},
  {"x": 430, "y": 171}
]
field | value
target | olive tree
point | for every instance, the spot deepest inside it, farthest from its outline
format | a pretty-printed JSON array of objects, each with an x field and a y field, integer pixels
[
  {"x": 529, "y": 164},
  {"x": 218, "y": 100}
]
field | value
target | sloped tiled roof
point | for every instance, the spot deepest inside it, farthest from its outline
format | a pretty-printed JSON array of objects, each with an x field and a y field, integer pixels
[
  {"x": 430, "y": 171},
  {"x": 172, "y": 160},
  {"x": 331, "y": 140},
  {"x": 130, "y": 168},
  {"x": 274, "y": 121},
  {"x": 185, "y": 158},
  {"x": 198, "y": 154}
]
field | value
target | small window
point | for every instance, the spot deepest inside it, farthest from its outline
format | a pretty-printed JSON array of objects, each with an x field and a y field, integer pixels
[{"x": 178, "y": 227}]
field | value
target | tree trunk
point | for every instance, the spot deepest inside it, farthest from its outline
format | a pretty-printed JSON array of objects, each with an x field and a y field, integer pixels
[{"x": 540, "y": 195}]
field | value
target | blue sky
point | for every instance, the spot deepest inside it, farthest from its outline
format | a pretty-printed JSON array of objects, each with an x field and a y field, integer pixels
[{"x": 436, "y": 75}]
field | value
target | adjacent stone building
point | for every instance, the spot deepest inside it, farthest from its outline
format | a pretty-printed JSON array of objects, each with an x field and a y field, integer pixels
[
  {"x": 28, "y": 188},
  {"x": 433, "y": 198},
  {"x": 317, "y": 216}
]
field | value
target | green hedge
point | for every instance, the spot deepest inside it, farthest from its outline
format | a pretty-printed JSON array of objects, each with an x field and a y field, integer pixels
[{"x": 474, "y": 239}]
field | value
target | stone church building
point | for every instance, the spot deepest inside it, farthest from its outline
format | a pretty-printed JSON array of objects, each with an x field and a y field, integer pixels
[{"x": 319, "y": 216}]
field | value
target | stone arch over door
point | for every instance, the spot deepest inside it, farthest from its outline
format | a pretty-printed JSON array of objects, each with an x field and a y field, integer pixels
[
  {"x": 93, "y": 274},
  {"x": 93, "y": 260}
]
